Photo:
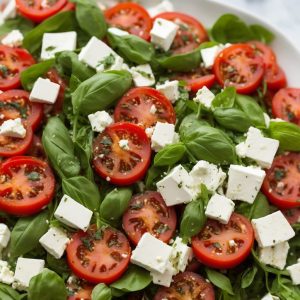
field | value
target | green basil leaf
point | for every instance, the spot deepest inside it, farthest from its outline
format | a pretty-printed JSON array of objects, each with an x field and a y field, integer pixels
[
  {"x": 132, "y": 48},
  {"x": 101, "y": 292},
  {"x": 8, "y": 293},
  {"x": 47, "y": 286},
  {"x": 100, "y": 91},
  {"x": 260, "y": 207},
  {"x": 248, "y": 276},
  {"x": 219, "y": 280},
  {"x": 153, "y": 175},
  {"x": 20, "y": 23},
  {"x": 60, "y": 149},
  {"x": 27, "y": 232},
  {"x": 169, "y": 155},
  {"x": 83, "y": 191},
  {"x": 114, "y": 204},
  {"x": 225, "y": 99},
  {"x": 61, "y": 22},
  {"x": 31, "y": 74},
  {"x": 288, "y": 135},
  {"x": 60, "y": 266},
  {"x": 134, "y": 279},
  {"x": 262, "y": 34}
]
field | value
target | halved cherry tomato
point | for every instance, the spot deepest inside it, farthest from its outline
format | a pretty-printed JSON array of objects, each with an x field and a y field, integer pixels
[
  {"x": 99, "y": 255},
  {"x": 275, "y": 77},
  {"x": 148, "y": 213},
  {"x": 190, "y": 35},
  {"x": 282, "y": 181},
  {"x": 122, "y": 166},
  {"x": 131, "y": 17},
  {"x": 187, "y": 286},
  {"x": 239, "y": 66},
  {"x": 212, "y": 246},
  {"x": 286, "y": 105},
  {"x": 194, "y": 265},
  {"x": 36, "y": 148},
  {"x": 69, "y": 6},
  {"x": 264, "y": 51},
  {"x": 292, "y": 215},
  {"x": 27, "y": 185},
  {"x": 82, "y": 294},
  {"x": 39, "y": 10},
  {"x": 135, "y": 107},
  {"x": 12, "y": 62},
  {"x": 15, "y": 104}
]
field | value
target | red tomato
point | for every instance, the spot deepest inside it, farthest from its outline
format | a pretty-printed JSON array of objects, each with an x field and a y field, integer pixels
[
  {"x": 239, "y": 66},
  {"x": 211, "y": 246},
  {"x": 27, "y": 185},
  {"x": 190, "y": 35},
  {"x": 286, "y": 105},
  {"x": 69, "y": 6},
  {"x": 275, "y": 78},
  {"x": 130, "y": 17},
  {"x": 282, "y": 181},
  {"x": 99, "y": 255},
  {"x": 79, "y": 290},
  {"x": 187, "y": 286},
  {"x": 148, "y": 213},
  {"x": 292, "y": 215},
  {"x": 15, "y": 104},
  {"x": 119, "y": 165},
  {"x": 36, "y": 148},
  {"x": 194, "y": 265},
  {"x": 37, "y": 10},
  {"x": 82, "y": 294},
  {"x": 264, "y": 51},
  {"x": 135, "y": 107},
  {"x": 12, "y": 62}
]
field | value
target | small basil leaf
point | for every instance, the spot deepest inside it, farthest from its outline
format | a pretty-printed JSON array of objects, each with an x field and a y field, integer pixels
[
  {"x": 101, "y": 292},
  {"x": 219, "y": 280},
  {"x": 248, "y": 276},
  {"x": 260, "y": 207},
  {"x": 59, "y": 266},
  {"x": 262, "y": 34},
  {"x": 153, "y": 175},
  {"x": 8, "y": 293},
  {"x": 20, "y": 23},
  {"x": 225, "y": 99},
  {"x": 169, "y": 155}
]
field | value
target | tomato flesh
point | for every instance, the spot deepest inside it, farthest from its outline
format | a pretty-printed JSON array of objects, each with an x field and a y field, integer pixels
[{"x": 292, "y": 215}]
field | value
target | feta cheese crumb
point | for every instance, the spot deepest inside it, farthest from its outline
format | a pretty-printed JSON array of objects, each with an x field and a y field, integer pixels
[
  {"x": 181, "y": 255},
  {"x": 149, "y": 132},
  {"x": 270, "y": 297},
  {"x": 294, "y": 271},
  {"x": 4, "y": 235},
  {"x": 124, "y": 144},
  {"x": 13, "y": 128},
  {"x": 100, "y": 120},
  {"x": 6, "y": 275},
  {"x": 142, "y": 75},
  {"x": 164, "y": 134},
  {"x": 117, "y": 31},
  {"x": 153, "y": 109},
  {"x": 205, "y": 97},
  {"x": 170, "y": 89},
  {"x": 13, "y": 39}
]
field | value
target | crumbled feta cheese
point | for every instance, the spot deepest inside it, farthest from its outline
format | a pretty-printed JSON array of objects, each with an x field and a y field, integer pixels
[
  {"x": 100, "y": 120},
  {"x": 219, "y": 208},
  {"x": 170, "y": 89},
  {"x": 13, "y": 39},
  {"x": 270, "y": 297},
  {"x": 13, "y": 128},
  {"x": 277, "y": 120},
  {"x": 58, "y": 42},
  {"x": 142, "y": 75},
  {"x": 164, "y": 134},
  {"x": 4, "y": 235},
  {"x": 241, "y": 149},
  {"x": 272, "y": 229},
  {"x": 205, "y": 97},
  {"x": 244, "y": 183},
  {"x": 6, "y": 275},
  {"x": 165, "y": 278},
  {"x": 149, "y": 132},
  {"x": 164, "y": 6},
  {"x": 163, "y": 33},
  {"x": 10, "y": 11},
  {"x": 124, "y": 144},
  {"x": 181, "y": 255},
  {"x": 117, "y": 31},
  {"x": 153, "y": 109},
  {"x": 294, "y": 271}
]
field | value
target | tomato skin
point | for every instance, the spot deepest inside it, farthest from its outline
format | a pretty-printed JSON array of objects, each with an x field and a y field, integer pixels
[
  {"x": 239, "y": 66},
  {"x": 275, "y": 78},
  {"x": 36, "y": 148},
  {"x": 68, "y": 7},
  {"x": 281, "y": 184},
  {"x": 85, "y": 293},
  {"x": 195, "y": 82},
  {"x": 28, "y": 205},
  {"x": 204, "y": 244},
  {"x": 292, "y": 215}
]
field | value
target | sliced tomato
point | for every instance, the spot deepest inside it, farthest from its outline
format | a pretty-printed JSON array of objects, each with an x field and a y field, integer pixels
[
  {"x": 15, "y": 104},
  {"x": 292, "y": 215},
  {"x": 282, "y": 181},
  {"x": 36, "y": 148},
  {"x": 69, "y": 6},
  {"x": 122, "y": 166},
  {"x": 82, "y": 294},
  {"x": 239, "y": 66},
  {"x": 194, "y": 265},
  {"x": 264, "y": 51},
  {"x": 286, "y": 105},
  {"x": 136, "y": 105},
  {"x": 187, "y": 286},
  {"x": 12, "y": 62},
  {"x": 27, "y": 185},
  {"x": 275, "y": 77},
  {"x": 212, "y": 246},
  {"x": 130, "y": 17},
  {"x": 148, "y": 212},
  {"x": 39, "y": 10},
  {"x": 190, "y": 35},
  {"x": 99, "y": 255},
  {"x": 79, "y": 289}
]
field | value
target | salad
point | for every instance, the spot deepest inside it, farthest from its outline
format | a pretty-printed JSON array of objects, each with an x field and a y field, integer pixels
[{"x": 144, "y": 156}]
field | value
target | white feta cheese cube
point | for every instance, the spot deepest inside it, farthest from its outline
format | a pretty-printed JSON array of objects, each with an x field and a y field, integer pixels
[
  {"x": 151, "y": 254},
  {"x": 208, "y": 174},
  {"x": 270, "y": 297},
  {"x": 142, "y": 75},
  {"x": 275, "y": 256},
  {"x": 117, "y": 31},
  {"x": 272, "y": 229},
  {"x": 170, "y": 89},
  {"x": 73, "y": 214},
  {"x": 13, "y": 39},
  {"x": 26, "y": 269},
  {"x": 44, "y": 91},
  {"x": 13, "y": 128},
  {"x": 244, "y": 183},
  {"x": 181, "y": 255},
  {"x": 58, "y": 42},
  {"x": 294, "y": 271},
  {"x": 205, "y": 97},
  {"x": 4, "y": 235},
  {"x": 55, "y": 241},
  {"x": 164, "y": 134},
  {"x": 10, "y": 10},
  {"x": 163, "y": 33},
  {"x": 6, "y": 275},
  {"x": 100, "y": 120},
  {"x": 164, "y": 6},
  {"x": 175, "y": 188},
  {"x": 219, "y": 208},
  {"x": 209, "y": 55},
  {"x": 99, "y": 56},
  {"x": 164, "y": 279}
]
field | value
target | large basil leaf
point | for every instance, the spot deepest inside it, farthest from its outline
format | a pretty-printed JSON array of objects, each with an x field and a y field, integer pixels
[
  {"x": 101, "y": 292},
  {"x": 225, "y": 99},
  {"x": 219, "y": 280},
  {"x": 100, "y": 91},
  {"x": 60, "y": 149},
  {"x": 47, "y": 286},
  {"x": 22, "y": 24},
  {"x": 169, "y": 155},
  {"x": 190, "y": 124},
  {"x": 262, "y": 34},
  {"x": 132, "y": 48},
  {"x": 8, "y": 293},
  {"x": 27, "y": 232}
]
